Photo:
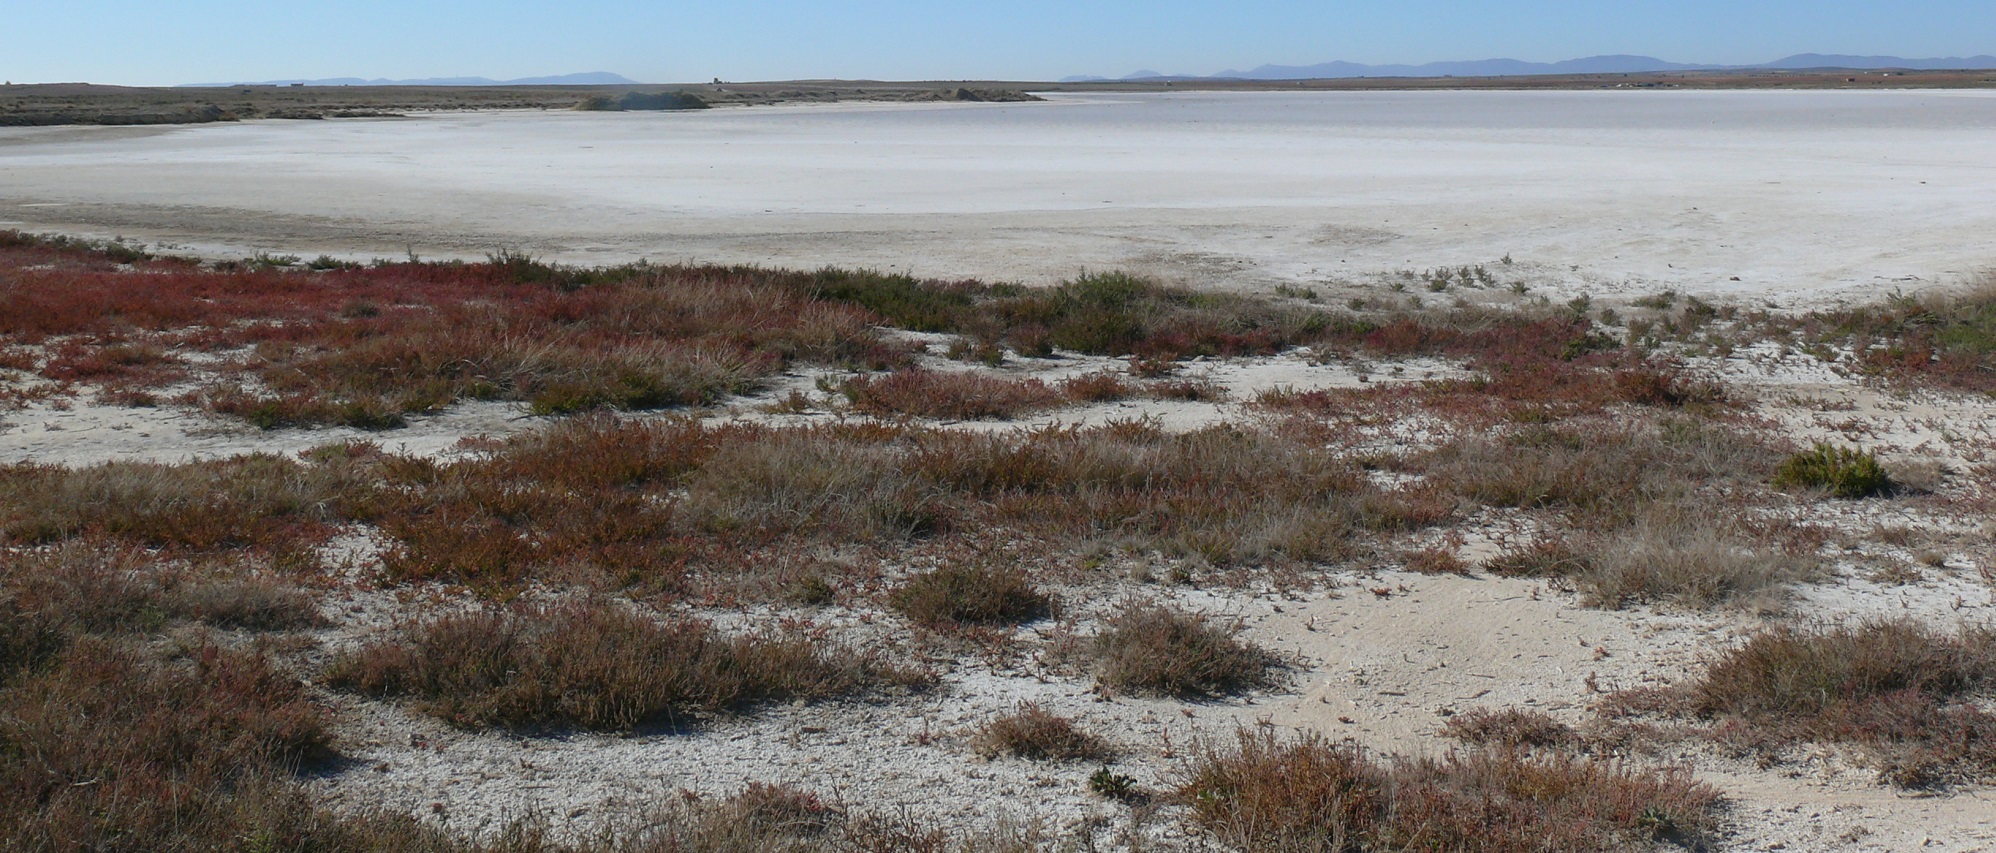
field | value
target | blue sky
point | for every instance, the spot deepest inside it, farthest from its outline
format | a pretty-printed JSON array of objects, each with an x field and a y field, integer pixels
[{"x": 159, "y": 42}]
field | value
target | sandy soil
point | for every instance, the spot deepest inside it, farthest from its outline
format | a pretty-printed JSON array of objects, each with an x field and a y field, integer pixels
[{"x": 1779, "y": 195}]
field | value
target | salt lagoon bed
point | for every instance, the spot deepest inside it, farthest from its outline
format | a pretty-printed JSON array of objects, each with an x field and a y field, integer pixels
[{"x": 1777, "y": 195}]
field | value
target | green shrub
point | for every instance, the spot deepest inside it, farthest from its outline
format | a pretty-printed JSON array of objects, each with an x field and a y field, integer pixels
[
  {"x": 1844, "y": 472},
  {"x": 1112, "y": 785}
]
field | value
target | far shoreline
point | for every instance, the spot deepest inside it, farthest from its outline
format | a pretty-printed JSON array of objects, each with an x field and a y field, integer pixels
[{"x": 85, "y": 104}]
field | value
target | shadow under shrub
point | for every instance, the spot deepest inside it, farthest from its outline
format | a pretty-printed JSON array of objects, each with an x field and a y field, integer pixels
[{"x": 598, "y": 666}]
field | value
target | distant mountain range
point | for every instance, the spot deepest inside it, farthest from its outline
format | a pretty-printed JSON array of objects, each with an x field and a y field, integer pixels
[
  {"x": 592, "y": 78},
  {"x": 1617, "y": 64}
]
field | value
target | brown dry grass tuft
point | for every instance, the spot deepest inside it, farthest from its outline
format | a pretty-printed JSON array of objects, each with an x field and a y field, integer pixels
[
  {"x": 1682, "y": 554},
  {"x": 1153, "y": 650},
  {"x": 598, "y": 666},
  {"x": 1672, "y": 555},
  {"x": 1099, "y": 387},
  {"x": 106, "y": 748},
  {"x": 971, "y": 595},
  {"x": 52, "y": 597},
  {"x": 1034, "y": 733},
  {"x": 1603, "y": 476},
  {"x": 1641, "y": 499},
  {"x": 1903, "y": 692},
  {"x": 1266, "y": 794},
  {"x": 1543, "y": 558},
  {"x": 650, "y": 504},
  {"x": 949, "y": 396},
  {"x": 253, "y": 603},
  {"x": 1509, "y": 728},
  {"x": 258, "y": 500},
  {"x": 782, "y": 818},
  {"x": 1439, "y": 560}
]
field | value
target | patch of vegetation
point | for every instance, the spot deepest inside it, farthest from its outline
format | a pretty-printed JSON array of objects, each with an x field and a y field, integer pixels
[
  {"x": 257, "y": 500},
  {"x": 1099, "y": 387},
  {"x": 632, "y": 502},
  {"x": 1843, "y": 472},
  {"x": 111, "y": 739},
  {"x": 642, "y": 101},
  {"x": 949, "y": 396},
  {"x": 1034, "y": 733},
  {"x": 50, "y": 598},
  {"x": 110, "y": 748},
  {"x": 597, "y": 666},
  {"x": 1671, "y": 555},
  {"x": 1640, "y": 498},
  {"x": 370, "y": 346},
  {"x": 1306, "y": 794},
  {"x": 1903, "y": 693},
  {"x": 1543, "y": 558},
  {"x": 782, "y": 818},
  {"x": 971, "y": 595},
  {"x": 1552, "y": 370},
  {"x": 256, "y": 603},
  {"x": 1510, "y": 728},
  {"x": 1948, "y": 339},
  {"x": 1440, "y": 560},
  {"x": 1603, "y": 477},
  {"x": 1657, "y": 301},
  {"x": 1153, "y": 650},
  {"x": 1109, "y": 784},
  {"x": 607, "y": 503}
]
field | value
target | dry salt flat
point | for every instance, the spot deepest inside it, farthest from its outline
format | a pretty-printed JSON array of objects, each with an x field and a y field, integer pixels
[{"x": 1781, "y": 195}]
